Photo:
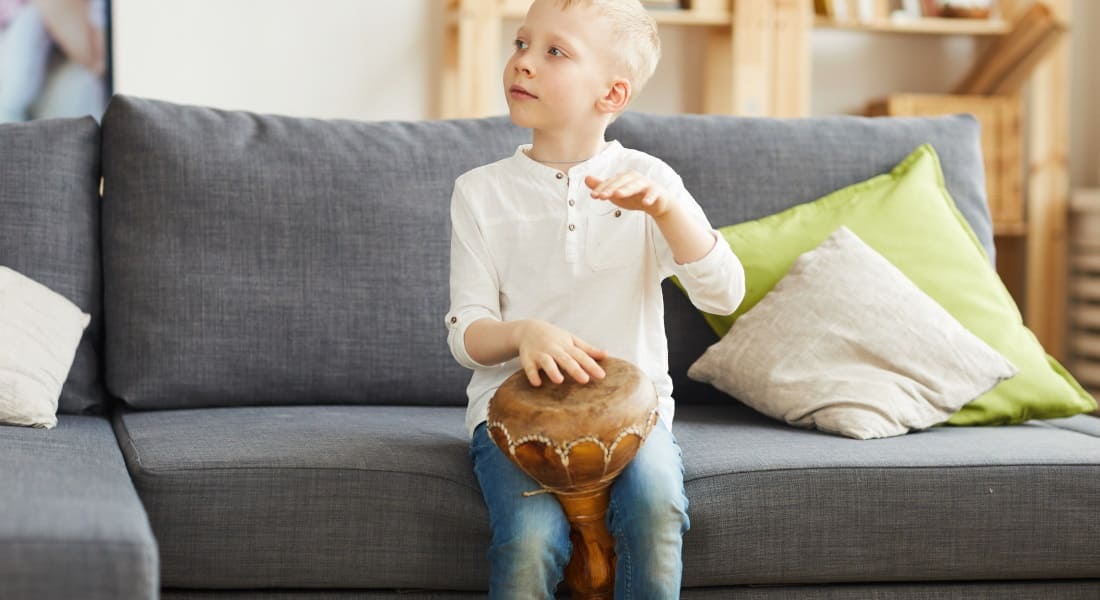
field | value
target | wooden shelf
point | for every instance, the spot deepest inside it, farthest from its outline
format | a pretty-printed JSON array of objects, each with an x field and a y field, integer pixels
[
  {"x": 517, "y": 9},
  {"x": 692, "y": 17},
  {"x": 1009, "y": 229},
  {"x": 927, "y": 25},
  {"x": 688, "y": 17},
  {"x": 684, "y": 17}
]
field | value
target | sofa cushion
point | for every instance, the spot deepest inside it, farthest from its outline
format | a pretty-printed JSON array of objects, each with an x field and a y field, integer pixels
[
  {"x": 846, "y": 343},
  {"x": 257, "y": 259},
  {"x": 385, "y": 497},
  {"x": 907, "y": 216},
  {"x": 374, "y": 496},
  {"x": 49, "y": 231},
  {"x": 777, "y": 504},
  {"x": 743, "y": 168},
  {"x": 71, "y": 525}
]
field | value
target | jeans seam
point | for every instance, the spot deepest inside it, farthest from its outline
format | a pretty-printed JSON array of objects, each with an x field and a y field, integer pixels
[{"x": 619, "y": 536}]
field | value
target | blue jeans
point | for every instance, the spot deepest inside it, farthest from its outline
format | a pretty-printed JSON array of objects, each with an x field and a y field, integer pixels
[{"x": 530, "y": 545}]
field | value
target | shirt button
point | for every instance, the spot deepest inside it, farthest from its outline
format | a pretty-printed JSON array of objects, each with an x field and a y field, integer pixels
[
  {"x": 618, "y": 213},
  {"x": 454, "y": 320},
  {"x": 571, "y": 203},
  {"x": 572, "y": 227},
  {"x": 559, "y": 175}
]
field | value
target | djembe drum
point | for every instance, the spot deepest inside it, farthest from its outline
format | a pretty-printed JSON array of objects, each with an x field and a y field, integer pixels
[{"x": 574, "y": 439}]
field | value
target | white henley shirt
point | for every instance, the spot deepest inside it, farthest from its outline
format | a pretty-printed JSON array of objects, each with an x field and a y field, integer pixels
[{"x": 529, "y": 242}]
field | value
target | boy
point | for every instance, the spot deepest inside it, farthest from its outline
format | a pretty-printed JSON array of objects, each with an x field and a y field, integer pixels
[{"x": 557, "y": 255}]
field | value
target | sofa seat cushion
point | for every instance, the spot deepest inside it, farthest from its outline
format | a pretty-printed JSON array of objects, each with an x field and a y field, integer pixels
[
  {"x": 776, "y": 504},
  {"x": 385, "y": 497},
  {"x": 71, "y": 525},
  {"x": 310, "y": 496}
]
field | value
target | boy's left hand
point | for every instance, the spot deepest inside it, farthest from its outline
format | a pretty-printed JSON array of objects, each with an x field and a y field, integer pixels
[{"x": 631, "y": 190}]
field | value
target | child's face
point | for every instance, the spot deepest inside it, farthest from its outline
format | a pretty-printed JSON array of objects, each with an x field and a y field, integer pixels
[{"x": 563, "y": 62}]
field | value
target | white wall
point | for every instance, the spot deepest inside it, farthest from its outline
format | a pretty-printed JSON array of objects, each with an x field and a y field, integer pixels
[
  {"x": 361, "y": 59},
  {"x": 379, "y": 59}
]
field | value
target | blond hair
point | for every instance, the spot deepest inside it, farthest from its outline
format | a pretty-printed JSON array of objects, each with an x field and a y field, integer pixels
[{"x": 635, "y": 30}]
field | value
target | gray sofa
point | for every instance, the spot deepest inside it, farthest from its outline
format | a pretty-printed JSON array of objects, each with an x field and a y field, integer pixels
[{"x": 264, "y": 405}]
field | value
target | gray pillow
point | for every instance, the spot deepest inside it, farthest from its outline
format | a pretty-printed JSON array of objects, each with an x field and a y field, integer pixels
[{"x": 846, "y": 343}]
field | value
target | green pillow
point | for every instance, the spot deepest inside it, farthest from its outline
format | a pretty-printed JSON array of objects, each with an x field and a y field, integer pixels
[{"x": 908, "y": 217}]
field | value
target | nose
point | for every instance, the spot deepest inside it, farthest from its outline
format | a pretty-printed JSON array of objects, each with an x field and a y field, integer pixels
[{"x": 523, "y": 65}]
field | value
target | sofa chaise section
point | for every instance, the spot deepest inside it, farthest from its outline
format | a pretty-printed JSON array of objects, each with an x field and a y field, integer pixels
[{"x": 72, "y": 524}]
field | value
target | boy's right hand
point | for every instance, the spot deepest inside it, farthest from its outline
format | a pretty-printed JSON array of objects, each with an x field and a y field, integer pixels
[{"x": 548, "y": 347}]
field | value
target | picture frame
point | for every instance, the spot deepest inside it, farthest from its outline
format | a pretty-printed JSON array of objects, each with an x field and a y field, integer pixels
[{"x": 56, "y": 59}]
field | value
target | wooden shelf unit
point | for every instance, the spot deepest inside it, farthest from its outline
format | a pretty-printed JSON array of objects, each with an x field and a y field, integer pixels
[
  {"x": 927, "y": 25},
  {"x": 758, "y": 62},
  {"x": 1084, "y": 274}
]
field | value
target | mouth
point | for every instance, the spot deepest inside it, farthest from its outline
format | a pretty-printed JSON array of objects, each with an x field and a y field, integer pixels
[{"x": 519, "y": 93}]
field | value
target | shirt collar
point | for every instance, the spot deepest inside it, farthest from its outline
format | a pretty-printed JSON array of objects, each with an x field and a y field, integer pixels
[{"x": 607, "y": 154}]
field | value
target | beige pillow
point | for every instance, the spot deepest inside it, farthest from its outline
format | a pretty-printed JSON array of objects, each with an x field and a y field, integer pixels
[
  {"x": 39, "y": 332},
  {"x": 848, "y": 344}
]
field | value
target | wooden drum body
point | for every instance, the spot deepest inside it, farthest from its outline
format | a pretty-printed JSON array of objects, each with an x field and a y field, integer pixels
[{"x": 574, "y": 439}]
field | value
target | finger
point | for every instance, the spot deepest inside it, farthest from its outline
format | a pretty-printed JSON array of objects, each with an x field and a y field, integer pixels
[
  {"x": 586, "y": 363},
  {"x": 592, "y": 181},
  {"x": 594, "y": 352},
  {"x": 633, "y": 187},
  {"x": 601, "y": 190},
  {"x": 650, "y": 198},
  {"x": 532, "y": 371},
  {"x": 571, "y": 366},
  {"x": 626, "y": 181},
  {"x": 551, "y": 368}
]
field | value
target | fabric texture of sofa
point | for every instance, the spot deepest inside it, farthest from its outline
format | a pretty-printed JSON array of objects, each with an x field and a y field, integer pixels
[{"x": 264, "y": 405}]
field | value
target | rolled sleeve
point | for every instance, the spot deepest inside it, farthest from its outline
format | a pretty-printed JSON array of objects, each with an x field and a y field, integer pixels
[
  {"x": 457, "y": 324},
  {"x": 475, "y": 290}
]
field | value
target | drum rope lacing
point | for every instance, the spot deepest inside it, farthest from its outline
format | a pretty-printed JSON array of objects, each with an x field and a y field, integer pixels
[{"x": 563, "y": 450}]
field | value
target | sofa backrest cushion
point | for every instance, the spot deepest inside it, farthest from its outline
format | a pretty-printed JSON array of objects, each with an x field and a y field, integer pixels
[
  {"x": 740, "y": 169},
  {"x": 49, "y": 232},
  {"x": 259, "y": 259}
]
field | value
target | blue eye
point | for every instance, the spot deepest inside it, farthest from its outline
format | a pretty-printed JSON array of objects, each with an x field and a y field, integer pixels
[
  {"x": 555, "y": 52},
  {"x": 519, "y": 44}
]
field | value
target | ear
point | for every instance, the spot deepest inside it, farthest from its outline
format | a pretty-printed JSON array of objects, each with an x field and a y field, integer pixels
[{"x": 616, "y": 98}]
